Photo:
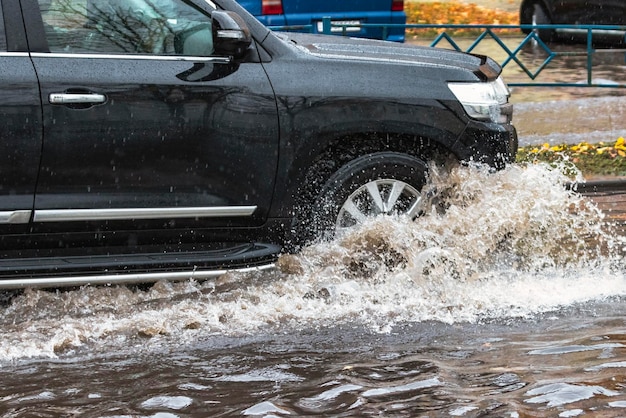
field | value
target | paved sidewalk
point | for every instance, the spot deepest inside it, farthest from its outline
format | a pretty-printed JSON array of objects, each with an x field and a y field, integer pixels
[{"x": 571, "y": 121}]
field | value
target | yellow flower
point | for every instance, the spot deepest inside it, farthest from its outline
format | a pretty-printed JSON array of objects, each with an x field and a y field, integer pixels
[
  {"x": 580, "y": 148},
  {"x": 620, "y": 144}
]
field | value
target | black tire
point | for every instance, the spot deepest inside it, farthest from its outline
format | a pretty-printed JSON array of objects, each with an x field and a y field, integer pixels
[
  {"x": 526, "y": 13},
  {"x": 378, "y": 183},
  {"x": 540, "y": 17}
]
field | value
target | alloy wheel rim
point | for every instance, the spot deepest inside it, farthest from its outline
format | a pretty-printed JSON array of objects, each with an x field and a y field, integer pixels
[{"x": 379, "y": 197}]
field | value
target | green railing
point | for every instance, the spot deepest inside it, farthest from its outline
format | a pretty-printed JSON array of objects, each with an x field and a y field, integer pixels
[{"x": 489, "y": 33}]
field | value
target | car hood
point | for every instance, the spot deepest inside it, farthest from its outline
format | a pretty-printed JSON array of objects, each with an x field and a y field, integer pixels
[{"x": 359, "y": 49}]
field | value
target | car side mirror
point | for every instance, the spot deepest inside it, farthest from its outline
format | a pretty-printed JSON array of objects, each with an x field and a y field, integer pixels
[{"x": 231, "y": 35}]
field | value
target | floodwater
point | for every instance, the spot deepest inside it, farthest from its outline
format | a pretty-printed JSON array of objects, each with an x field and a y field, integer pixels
[{"x": 508, "y": 303}]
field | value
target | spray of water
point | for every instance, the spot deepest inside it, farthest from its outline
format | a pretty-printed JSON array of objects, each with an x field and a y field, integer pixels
[
  {"x": 495, "y": 245},
  {"x": 522, "y": 218},
  {"x": 511, "y": 243}
]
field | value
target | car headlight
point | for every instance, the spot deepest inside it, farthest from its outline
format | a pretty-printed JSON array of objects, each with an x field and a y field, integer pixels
[{"x": 484, "y": 101}]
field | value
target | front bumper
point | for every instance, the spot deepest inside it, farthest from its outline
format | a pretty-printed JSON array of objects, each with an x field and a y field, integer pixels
[{"x": 489, "y": 143}]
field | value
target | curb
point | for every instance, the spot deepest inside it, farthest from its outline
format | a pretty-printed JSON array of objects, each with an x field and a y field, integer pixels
[{"x": 612, "y": 186}]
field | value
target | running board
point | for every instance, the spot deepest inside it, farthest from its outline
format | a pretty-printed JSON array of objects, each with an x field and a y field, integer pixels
[
  {"x": 79, "y": 267},
  {"x": 110, "y": 279}
]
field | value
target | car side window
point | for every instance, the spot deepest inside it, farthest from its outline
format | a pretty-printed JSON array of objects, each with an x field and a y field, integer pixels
[{"x": 157, "y": 27}]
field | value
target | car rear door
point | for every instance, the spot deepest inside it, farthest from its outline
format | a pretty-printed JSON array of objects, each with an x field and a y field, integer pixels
[
  {"x": 20, "y": 124},
  {"x": 142, "y": 122}
]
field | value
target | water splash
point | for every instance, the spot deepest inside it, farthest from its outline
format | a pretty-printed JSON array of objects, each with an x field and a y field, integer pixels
[
  {"x": 508, "y": 244},
  {"x": 522, "y": 218}
]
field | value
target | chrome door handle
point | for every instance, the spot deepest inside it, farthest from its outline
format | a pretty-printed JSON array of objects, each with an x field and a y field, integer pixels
[{"x": 76, "y": 98}]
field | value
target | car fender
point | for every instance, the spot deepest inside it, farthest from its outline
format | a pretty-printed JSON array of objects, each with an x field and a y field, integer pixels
[{"x": 329, "y": 128}]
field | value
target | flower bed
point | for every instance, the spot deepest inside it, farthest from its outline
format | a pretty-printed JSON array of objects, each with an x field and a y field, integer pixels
[{"x": 601, "y": 159}]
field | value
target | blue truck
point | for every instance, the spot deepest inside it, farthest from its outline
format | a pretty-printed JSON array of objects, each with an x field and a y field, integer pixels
[{"x": 306, "y": 16}]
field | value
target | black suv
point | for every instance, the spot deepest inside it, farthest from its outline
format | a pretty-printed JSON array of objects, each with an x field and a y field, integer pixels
[{"x": 149, "y": 139}]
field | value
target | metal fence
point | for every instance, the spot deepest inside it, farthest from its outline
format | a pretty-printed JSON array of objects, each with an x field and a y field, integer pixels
[{"x": 512, "y": 54}]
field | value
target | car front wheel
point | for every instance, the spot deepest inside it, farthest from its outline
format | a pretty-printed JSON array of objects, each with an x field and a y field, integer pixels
[{"x": 383, "y": 183}]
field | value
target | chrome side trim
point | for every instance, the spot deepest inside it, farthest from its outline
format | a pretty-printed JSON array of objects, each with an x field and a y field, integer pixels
[
  {"x": 14, "y": 54},
  {"x": 213, "y": 60},
  {"x": 15, "y": 217},
  {"x": 63, "y": 215},
  {"x": 604, "y": 32},
  {"x": 106, "y": 279}
]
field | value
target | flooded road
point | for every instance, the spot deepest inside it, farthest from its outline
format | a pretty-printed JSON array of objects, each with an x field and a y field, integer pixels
[{"x": 508, "y": 303}]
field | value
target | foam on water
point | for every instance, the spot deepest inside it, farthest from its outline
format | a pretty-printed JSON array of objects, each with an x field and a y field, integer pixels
[{"x": 509, "y": 244}]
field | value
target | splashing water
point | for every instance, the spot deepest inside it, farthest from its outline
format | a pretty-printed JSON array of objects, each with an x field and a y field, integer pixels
[{"x": 509, "y": 244}]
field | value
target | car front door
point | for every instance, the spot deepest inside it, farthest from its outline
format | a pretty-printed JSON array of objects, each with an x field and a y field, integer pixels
[{"x": 143, "y": 122}]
